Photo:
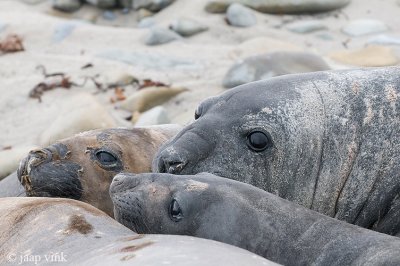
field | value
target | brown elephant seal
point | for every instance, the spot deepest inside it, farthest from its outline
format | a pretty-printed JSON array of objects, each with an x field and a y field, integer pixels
[
  {"x": 82, "y": 167},
  {"x": 50, "y": 231},
  {"x": 239, "y": 214},
  {"x": 329, "y": 141}
]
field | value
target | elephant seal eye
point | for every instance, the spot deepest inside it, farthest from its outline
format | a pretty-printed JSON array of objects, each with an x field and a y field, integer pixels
[
  {"x": 197, "y": 113},
  {"x": 105, "y": 157},
  {"x": 175, "y": 211},
  {"x": 258, "y": 141}
]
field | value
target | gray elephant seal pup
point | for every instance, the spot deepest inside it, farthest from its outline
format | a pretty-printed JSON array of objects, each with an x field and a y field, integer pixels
[
  {"x": 69, "y": 232},
  {"x": 239, "y": 214},
  {"x": 329, "y": 141},
  {"x": 82, "y": 167}
]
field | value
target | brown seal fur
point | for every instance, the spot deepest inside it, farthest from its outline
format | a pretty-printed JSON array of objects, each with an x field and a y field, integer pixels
[
  {"x": 82, "y": 167},
  {"x": 68, "y": 232}
]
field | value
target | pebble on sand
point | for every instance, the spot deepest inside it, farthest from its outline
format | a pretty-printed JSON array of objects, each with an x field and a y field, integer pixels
[
  {"x": 279, "y": 6},
  {"x": 384, "y": 40},
  {"x": 271, "y": 65},
  {"x": 67, "y": 5},
  {"x": 155, "y": 116},
  {"x": 364, "y": 27},
  {"x": 187, "y": 27},
  {"x": 103, "y": 3},
  {"x": 240, "y": 16},
  {"x": 306, "y": 26},
  {"x": 143, "y": 13},
  {"x": 152, "y": 5},
  {"x": 159, "y": 36},
  {"x": 371, "y": 56}
]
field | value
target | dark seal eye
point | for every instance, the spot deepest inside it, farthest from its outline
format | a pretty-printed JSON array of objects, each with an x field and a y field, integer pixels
[
  {"x": 197, "y": 113},
  {"x": 175, "y": 211},
  {"x": 258, "y": 141},
  {"x": 105, "y": 157}
]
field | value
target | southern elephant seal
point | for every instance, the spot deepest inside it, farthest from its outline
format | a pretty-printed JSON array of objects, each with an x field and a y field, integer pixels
[
  {"x": 82, "y": 167},
  {"x": 239, "y": 214},
  {"x": 329, "y": 141},
  {"x": 11, "y": 187},
  {"x": 68, "y": 232}
]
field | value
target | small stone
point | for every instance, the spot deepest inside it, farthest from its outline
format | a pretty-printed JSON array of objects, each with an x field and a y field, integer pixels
[
  {"x": 159, "y": 36},
  {"x": 144, "y": 13},
  {"x": 148, "y": 98},
  {"x": 271, "y": 65},
  {"x": 279, "y": 6},
  {"x": 67, "y": 5},
  {"x": 146, "y": 23},
  {"x": 216, "y": 7},
  {"x": 240, "y": 16},
  {"x": 306, "y": 26},
  {"x": 187, "y": 27},
  {"x": 384, "y": 40},
  {"x": 371, "y": 56},
  {"x": 33, "y": 2},
  {"x": 103, "y": 3},
  {"x": 364, "y": 27},
  {"x": 9, "y": 159},
  {"x": 155, "y": 116},
  {"x": 126, "y": 4},
  {"x": 109, "y": 15},
  {"x": 152, "y": 5},
  {"x": 79, "y": 113}
]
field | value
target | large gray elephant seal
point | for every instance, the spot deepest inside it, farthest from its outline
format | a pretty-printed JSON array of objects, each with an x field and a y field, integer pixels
[
  {"x": 48, "y": 231},
  {"x": 82, "y": 167},
  {"x": 329, "y": 141},
  {"x": 239, "y": 214}
]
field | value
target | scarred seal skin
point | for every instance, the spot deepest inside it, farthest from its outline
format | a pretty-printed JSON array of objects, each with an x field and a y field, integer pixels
[
  {"x": 239, "y": 214},
  {"x": 82, "y": 167},
  {"x": 52, "y": 231},
  {"x": 329, "y": 141}
]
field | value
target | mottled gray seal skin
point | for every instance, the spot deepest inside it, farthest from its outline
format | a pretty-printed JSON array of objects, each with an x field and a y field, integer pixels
[
  {"x": 329, "y": 141},
  {"x": 239, "y": 214},
  {"x": 11, "y": 187},
  {"x": 82, "y": 167},
  {"x": 76, "y": 233}
]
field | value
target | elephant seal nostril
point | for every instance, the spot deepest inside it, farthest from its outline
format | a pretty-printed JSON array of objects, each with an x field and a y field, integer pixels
[
  {"x": 175, "y": 167},
  {"x": 21, "y": 171},
  {"x": 34, "y": 159}
]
